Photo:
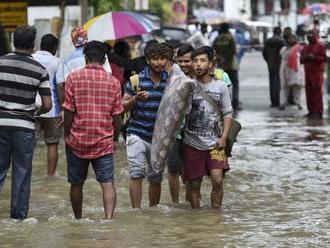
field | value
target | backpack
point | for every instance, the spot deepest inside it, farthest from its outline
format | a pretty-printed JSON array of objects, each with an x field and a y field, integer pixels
[{"x": 135, "y": 81}]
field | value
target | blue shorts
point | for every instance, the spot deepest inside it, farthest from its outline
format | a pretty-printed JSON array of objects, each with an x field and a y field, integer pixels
[{"x": 104, "y": 168}]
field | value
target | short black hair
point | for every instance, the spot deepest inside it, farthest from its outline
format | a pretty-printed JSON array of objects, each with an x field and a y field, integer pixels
[
  {"x": 184, "y": 49},
  {"x": 151, "y": 42},
  {"x": 203, "y": 27},
  {"x": 224, "y": 27},
  {"x": 122, "y": 49},
  {"x": 49, "y": 43},
  {"x": 95, "y": 51},
  {"x": 204, "y": 50},
  {"x": 168, "y": 50},
  {"x": 277, "y": 30},
  {"x": 155, "y": 50},
  {"x": 24, "y": 37}
]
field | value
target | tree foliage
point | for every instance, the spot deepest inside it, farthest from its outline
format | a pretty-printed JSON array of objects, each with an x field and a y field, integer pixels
[
  {"x": 103, "y": 6},
  {"x": 304, "y": 3}
]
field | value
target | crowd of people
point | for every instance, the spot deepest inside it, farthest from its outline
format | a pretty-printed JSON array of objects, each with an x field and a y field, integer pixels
[
  {"x": 88, "y": 94},
  {"x": 293, "y": 64}
]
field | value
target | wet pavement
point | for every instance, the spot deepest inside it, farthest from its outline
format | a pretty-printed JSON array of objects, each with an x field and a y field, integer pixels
[{"x": 276, "y": 194}]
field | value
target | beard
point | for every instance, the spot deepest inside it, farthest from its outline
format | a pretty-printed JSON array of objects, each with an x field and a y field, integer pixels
[
  {"x": 185, "y": 70},
  {"x": 199, "y": 72},
  {"x": 158, "y": 68}
]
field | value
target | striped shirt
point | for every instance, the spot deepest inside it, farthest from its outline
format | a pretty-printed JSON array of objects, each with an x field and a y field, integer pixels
[
  {"x": 21, "y": 77},
  {"x": 144, "y": 113}
]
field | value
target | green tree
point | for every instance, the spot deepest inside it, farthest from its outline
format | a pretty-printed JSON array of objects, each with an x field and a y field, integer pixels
[
  {"x": 304, "y": 3},
  {"x": 103, "y": 6}
]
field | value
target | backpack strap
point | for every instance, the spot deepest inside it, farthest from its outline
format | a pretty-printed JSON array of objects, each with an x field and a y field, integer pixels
[
  {"x": 135, "y": 81},
  {"x": 219, "y": 74}
]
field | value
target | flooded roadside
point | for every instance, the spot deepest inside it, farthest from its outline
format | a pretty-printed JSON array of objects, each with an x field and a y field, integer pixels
[{"x": 276, "y": 194}]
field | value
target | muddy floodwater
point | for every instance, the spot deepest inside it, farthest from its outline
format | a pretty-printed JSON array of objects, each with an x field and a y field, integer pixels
[{"x": 277, "y": 193}]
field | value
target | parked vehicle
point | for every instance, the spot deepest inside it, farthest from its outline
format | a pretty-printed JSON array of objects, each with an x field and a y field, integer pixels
[{"x": 173, "y": 35}]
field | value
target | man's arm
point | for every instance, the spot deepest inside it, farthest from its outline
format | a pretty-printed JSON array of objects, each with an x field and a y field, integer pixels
[
  {"x": 44, "y": 92},
  {"x": 116, "y": 122},
  {"x": 69, "y": 106},
  {"x": 60, "y": 93},
  {"x": 322, "y": 56},
  {"x": 264, "y": 52},
  {"x": 46, "y": 105},
  {"x": 129, "y": 101},
  {"x": 233, "y": 46},
  {"x": 227, "y": 111},
  {"x": 68, "y": 118}
]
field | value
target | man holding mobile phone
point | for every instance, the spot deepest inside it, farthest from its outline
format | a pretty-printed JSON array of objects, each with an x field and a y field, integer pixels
[{"x": 144, "y": 105}]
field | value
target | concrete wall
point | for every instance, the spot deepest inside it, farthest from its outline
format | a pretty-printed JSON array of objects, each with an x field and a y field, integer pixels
[
  {"x": 291, "y": 20},
  {"x": 41, "y": 18},
  {"x": 233, "y": 9}
]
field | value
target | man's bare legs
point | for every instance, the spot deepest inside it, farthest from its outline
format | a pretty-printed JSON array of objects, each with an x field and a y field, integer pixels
[
  {"x": 52, "y": 158},
  {"x": 135, "y": 192},
  {"x": 174, "y": 185},
  {"x": 217, "y": 176},
  {"x": 76, "y": 196},
  {"x": 109, "y": 199},
  {"x": 154, "y": 193},
  {"x": 194, "y": 187}
]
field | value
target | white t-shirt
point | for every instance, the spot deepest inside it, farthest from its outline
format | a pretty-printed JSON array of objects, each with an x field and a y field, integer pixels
[
  {"x": 198, "y": 40},
  {"x": 55, "y": 70},
  {"x": 201, "y": 124},
  {"x": 76, "y": 61}
]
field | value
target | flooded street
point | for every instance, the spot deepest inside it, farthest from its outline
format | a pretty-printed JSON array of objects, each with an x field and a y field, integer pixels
[{"x": 277, "y": 193}]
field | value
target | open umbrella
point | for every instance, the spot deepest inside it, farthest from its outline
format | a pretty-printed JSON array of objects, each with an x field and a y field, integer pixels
[
  {"x": 117, "y": 25},
  {"x": 316, "y": 8}
]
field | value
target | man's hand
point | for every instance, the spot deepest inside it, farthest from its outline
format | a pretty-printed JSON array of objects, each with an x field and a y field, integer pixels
[
  {"x": 37, "y": 111},
  {"x": 60, "y": 119},
  {"x": 141, "y": 96},
  {"x": 221, "y": 143},
  {"x": 310, "y": 57}
]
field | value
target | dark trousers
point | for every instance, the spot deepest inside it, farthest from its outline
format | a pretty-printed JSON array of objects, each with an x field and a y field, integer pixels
[
  {"x": 233, "y": 75},
  {"x": 274, "y": 88},
  {"x": 314, "y": 92},
  {"x": 16, "y": 148}
]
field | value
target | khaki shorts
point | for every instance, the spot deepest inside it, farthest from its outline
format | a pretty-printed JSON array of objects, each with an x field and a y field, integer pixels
[
  {"x": 52, "y": 132},
  {"x": 138, "y": 156}
]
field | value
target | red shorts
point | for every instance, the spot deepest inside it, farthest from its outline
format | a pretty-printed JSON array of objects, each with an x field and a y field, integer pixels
[{"x": 198, "y": 163}]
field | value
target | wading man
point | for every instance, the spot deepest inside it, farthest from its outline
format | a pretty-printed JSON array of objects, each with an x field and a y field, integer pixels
[
  {"x": 51, "y": 122},
  {"x": 92, "y": 122},
  {"x": 21, "y": 77},
  {"x": 204, "y": 143},
  {"x": 144, "y": 104}
]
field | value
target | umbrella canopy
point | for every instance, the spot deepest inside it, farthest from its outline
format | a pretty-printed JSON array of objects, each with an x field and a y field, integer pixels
[
  {"x": 316, "y": 8},
  {"x": 117, "y": 25}
]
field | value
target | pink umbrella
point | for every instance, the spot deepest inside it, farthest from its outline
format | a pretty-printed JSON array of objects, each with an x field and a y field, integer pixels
[
  {"x": 117, "y": 25},
  {"x": 316, "y": 8}
]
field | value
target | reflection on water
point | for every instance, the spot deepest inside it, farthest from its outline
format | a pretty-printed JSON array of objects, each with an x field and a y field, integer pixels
[{"x": 276, "y": 195}]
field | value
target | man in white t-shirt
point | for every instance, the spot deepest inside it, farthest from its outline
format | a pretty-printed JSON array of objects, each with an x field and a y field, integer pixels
[
  {"x": 203, "y": 142},
  {"x": 199, "y": 38},
  {"x": 50, "y": 123}
]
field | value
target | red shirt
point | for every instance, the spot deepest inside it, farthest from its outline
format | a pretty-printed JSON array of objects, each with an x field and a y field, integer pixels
[
  {"x": 94, "y": 96},
  {"x": 318, "y": 50}
]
